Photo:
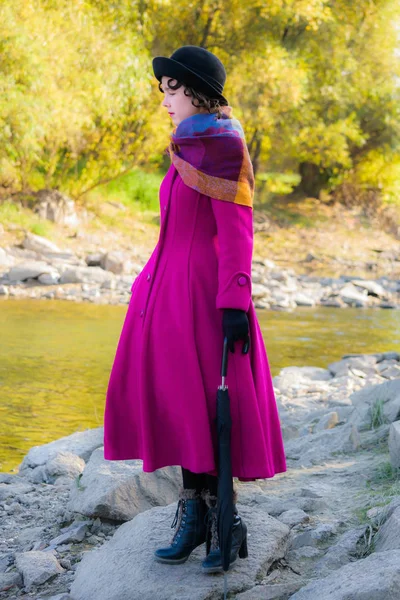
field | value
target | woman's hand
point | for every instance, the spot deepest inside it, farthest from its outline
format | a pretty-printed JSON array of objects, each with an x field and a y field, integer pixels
[{"x": 235, "y": 325}]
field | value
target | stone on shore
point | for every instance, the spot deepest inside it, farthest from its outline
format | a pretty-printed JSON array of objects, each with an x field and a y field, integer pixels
[
  {"x": 37, "y": 567},
  {"x": 119, "y": 490},
  {"x": 81, "y": 443},
  {"x": 126, "y": 562},
  {"x": 376, "y": 577},
  {"x": 394, "y": 444}
]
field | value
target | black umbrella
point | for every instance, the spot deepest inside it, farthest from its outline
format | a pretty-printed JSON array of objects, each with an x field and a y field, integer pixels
[{"x": 225, "y": 510}]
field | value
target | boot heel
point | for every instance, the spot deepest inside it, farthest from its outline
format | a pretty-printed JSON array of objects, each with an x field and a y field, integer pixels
[{"x": 243, "y": 553}]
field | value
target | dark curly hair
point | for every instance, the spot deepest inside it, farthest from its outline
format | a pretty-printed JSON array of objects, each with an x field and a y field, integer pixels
[{"x": 213, "y": 105}]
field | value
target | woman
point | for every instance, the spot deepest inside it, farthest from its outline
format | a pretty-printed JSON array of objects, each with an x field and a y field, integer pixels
[{"x": 194, "y": 290}]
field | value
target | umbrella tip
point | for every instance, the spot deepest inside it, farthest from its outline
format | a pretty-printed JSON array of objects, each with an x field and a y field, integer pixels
[{"x": 225, "y": 585}]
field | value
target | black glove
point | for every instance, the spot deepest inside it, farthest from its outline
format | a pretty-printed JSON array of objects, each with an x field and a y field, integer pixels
[{"x": 235, "y": 325}]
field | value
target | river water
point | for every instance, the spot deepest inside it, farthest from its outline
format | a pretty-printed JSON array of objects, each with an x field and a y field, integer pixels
[{"x": 56, "y": 356}]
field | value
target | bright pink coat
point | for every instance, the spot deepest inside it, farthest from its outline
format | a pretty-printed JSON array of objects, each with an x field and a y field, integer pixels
[{"x": 161, "y": 397}]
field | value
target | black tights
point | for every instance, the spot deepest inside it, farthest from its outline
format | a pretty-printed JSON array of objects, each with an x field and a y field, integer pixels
[{"x": 199, "y": 482}]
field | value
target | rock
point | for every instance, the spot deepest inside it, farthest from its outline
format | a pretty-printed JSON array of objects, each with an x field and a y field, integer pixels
[
  {"x": 9, "y": 490},
  {"x": 37, "y": 567},
  {"x": 376, "y": 577},
  {"x": 38, "y": 244},
  {"x": 315, "y": 448},
  {"x": 85, "y": 275},
  {"x": 340, "y": 553},
  {"x": 6, "y": 260},
  {"x": 75, "y": 533},
  {"x": 81, "y": 443},
  {"x": 116, "y": 262},
  {"x": 49, "y": 278},
  {"x": 259, "y": 291},
  {"x": 365, "y": 363},
  {"x": 328, "y": 421},
  {"x": 388, "y": 536},
  {"x": 391, "y": 372},
  {"x": 29, "y": 270},
  {"x": 290, "y": 377},
  {"x": 376, "y": 404},
  {"x": 372, "y": 287},
  {"x": 293, "y": 517},
  {"x": 303, "y": 300},
  {"x": 107, "y": 573},
  {"x": 120, "y": 490},
  {"x": 277, "y": 591},
  {"x": 64, "y": 464},
  {"x": 311, "y": 537},
  {"x": 394, "y": 444},
  {"x": 56, "y": 207},
  {"x": 94, "y": 260},
  {"x": 352, "y": 296},
  {"x": 8, "y": 581},
  {"x": 58, "y": 597},
  {"x": 30, "y": 535}
]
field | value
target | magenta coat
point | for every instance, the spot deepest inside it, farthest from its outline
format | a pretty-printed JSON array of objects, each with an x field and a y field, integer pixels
[{"x": 161, "y": 397}]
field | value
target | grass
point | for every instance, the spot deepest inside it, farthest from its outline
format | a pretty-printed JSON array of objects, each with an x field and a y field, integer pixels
[
  {"x": 138, "y": 190},
  {"x": 12, "y": 214},
  {"x": 377, "y": 414}
]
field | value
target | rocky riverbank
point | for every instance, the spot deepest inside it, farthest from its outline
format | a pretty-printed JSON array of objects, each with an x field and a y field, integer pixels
[
  {"x": 74, "y": 525},
  {"x": 39, "y": 269}
]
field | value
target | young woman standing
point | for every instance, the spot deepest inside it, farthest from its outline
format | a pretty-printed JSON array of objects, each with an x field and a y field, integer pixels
[{"x": 195, "y": 290}]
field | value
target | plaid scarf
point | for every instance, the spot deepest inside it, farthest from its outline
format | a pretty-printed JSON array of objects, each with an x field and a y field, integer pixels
[{"x": 212, "y": 157}]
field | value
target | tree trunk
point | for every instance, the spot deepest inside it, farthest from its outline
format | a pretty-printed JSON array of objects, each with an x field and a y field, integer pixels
[{"x": 312, "y": 179}]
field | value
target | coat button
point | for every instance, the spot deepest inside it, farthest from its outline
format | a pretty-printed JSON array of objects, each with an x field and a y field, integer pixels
[
  {"x": 165, "y": 207},
  {"x": 242, "y": 280},
  {"x": 141, "y": 313},
  {"x": 148, "y": 277}
]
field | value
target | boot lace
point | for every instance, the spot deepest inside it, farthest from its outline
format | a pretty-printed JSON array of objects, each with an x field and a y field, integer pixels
[{"x": 179, "y": 520}]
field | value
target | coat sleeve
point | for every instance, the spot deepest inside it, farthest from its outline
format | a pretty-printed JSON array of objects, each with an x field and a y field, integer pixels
[{"x": 234, "y": 246}]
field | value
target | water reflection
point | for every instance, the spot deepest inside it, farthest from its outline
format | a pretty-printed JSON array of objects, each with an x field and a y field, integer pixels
[{"x": 55, "y": 360}]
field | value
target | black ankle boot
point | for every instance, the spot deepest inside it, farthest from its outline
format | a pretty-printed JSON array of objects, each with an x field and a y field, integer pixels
[
  {"x": 190, "y": 530},
  {"x": 213, "y": 563}
]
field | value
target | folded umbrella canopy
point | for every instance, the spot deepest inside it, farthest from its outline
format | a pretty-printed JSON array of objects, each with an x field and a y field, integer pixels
[{"x": 225, "y": 507}]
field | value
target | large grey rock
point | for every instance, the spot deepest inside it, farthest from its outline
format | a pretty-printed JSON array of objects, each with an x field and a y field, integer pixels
[
  {"x": 57, "y": 207},
  {"x": 376, "y": 577},
  {"x": 81, "y": 443},
  {"x": 85, "y": 275},
  {"x": 315, "y": 448},
  {"x": 354, "y": 297},
  {"x": 388, "y": 536},
  {"x": 116, "y": 262},
  {"x": 6, "y": 260},
  {"x": 64, "y": 464},
  {"x": 37, "y": 567},
  {"x": 292, "y": 377},
  {"x": 273, "y": 591},
  {"x": 340, "y": 553},
  {"x": 10, "y": 581},
  {"x": 394, "y": 444},
  {"x": 120, "y": 490},
  {"x": 28, "y": 270},
  {"x": 384, "y": 397},
  {"x": 365, "y": 363},
  {"x": 126, "y": 562},
  {"x": 37, "y": 243},
  {"x": 10, "y": 490},
  {"x": 373, "y": 288}
]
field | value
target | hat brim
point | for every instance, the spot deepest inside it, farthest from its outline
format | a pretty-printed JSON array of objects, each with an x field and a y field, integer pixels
[{"x": 163, "y": 65}]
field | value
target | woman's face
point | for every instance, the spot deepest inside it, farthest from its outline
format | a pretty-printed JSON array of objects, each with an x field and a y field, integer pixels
[{"x": 177, "y": 104}]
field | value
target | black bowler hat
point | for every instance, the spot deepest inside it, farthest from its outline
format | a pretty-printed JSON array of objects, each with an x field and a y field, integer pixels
[{"x": 195, "y": 67}]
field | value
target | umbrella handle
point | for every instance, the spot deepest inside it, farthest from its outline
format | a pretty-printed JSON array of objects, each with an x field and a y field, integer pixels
[{"x": 224, "y": 366}]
